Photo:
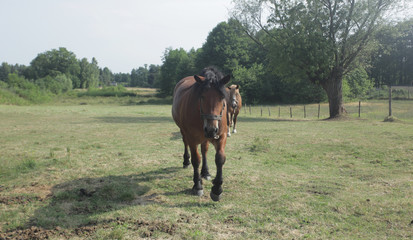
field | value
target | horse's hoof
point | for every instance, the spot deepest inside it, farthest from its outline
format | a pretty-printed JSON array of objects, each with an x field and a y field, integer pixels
[
  {"x": 198, "y": 193},
  {"x": 215, "y": 197},
  {"x": 186, "y": 165},
  {"x": 229, "y": 134},
  {"x": 206, "y": 177},
  {"x": 234, "y": 131}
]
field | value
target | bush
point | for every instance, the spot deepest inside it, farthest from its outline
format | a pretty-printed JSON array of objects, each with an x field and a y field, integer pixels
[
  {"x": 27, "y": 90},
  {"x": 9, "y": 97},
  {"x": 57, "y": 85}
]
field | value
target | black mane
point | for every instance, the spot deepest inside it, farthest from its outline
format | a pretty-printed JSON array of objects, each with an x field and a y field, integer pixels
[{"x": 213, "y": 79}]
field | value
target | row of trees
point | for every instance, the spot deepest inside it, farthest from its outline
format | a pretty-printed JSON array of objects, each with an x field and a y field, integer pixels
[{"x": 58, "y": 70}]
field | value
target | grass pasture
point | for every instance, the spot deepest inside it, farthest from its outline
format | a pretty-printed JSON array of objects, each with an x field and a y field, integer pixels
[{"x": 114, "y": 171}]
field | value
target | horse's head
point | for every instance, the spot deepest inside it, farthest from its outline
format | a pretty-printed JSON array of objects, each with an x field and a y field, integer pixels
[
  {"x": 212, "y": 103},
  {"x": 233, "y": 96}
]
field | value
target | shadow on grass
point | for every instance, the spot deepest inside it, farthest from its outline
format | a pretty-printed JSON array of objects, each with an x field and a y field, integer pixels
[
  {"x": 176, "y": 136},
  {"x": 149, "y": 100},
  {"x": 137, "y": 119},
  {"x": 75, "y": 203}
]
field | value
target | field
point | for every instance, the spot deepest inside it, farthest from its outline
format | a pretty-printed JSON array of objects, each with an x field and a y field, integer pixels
[{"x": 96, "y": 170}]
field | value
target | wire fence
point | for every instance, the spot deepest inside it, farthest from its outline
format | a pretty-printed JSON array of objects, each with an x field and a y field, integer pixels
[
  {"x": 367, "y": 109},
  {"x": 397, "y": 92}
]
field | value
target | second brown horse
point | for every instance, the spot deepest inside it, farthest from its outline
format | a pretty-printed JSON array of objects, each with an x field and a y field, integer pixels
[
  {"x": 234, "y": 106},
  {"x": 199, "y": 109}
]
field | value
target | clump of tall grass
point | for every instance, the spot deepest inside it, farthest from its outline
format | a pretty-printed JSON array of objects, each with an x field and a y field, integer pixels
[
  {"x": 26, "y": 165},
  {"x": 391, "y": 119},
  {"x": 260, "y": 145}
]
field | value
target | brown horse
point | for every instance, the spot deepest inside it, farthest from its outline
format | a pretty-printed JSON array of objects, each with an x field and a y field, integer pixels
[
  {"x": 199, "y": 109},
  {"x": 234, "y": 106}
]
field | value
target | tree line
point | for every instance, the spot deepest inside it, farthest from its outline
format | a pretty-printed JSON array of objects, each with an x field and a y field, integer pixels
[
  {"x": 61, "y": 67},
  {"x": 310, "y": 51}
]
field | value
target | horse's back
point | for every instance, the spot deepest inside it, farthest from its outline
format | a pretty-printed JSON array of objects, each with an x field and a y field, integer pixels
[{"x": 181, "y": 98}]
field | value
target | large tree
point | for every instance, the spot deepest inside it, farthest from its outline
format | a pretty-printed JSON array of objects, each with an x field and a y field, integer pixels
[
  {"x": 177, "y": 64},
  {"x": 89, "y": 73},
  {"x": 139, "y": 77},
  {"x": 319, "y": 40},
  {"x": 227, "y": 47},
  {"x": 105, "y": 76},
  {"x": 52, "y": 63}
]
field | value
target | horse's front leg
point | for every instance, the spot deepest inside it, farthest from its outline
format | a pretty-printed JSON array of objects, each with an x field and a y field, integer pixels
[
  {"x": 228, "y": 124},
  {"x": 204, "y": 171},
  {"x": 197, "y": 189},
  {"x": 219, "y": 161},
  {"x": 234, "y": 129}
]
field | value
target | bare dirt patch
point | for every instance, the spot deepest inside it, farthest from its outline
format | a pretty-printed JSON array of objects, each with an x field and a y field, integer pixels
[{"x": 147, "y": 228}]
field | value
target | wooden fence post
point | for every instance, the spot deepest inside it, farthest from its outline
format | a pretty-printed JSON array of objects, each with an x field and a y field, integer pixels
[
  {"x": 359, "y": 108},
  {"x": 318, "y": 111},
  {"x": 291, "y": 112},
  {"x": 390, "y": 113},
  {"x": 279, "y": 111},
  {"x": 305, "y": 114},
  {"x": 269, "y": 112}
]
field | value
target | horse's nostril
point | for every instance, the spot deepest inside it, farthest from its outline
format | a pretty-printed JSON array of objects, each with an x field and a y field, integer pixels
[{"x": 216, "y": 130}]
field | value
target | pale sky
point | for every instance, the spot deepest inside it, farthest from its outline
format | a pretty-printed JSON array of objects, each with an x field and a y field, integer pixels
[{"x": 120, "y": 34}]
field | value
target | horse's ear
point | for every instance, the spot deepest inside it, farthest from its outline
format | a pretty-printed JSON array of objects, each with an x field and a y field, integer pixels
[
  {"x": 237, "y": 86},
  {"x": 225, "y": 80},
  {"x": 229, "y": 87},
  {"x": 198, "y": 79}
]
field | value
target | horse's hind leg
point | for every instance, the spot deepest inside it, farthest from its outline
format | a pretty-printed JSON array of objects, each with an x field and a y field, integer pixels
[
  {"x": 186, "y": 157},
  {"x": 204, "y": 171},
  {"x": 197, "y": 189},
  {"x": 186, "y": 153}
]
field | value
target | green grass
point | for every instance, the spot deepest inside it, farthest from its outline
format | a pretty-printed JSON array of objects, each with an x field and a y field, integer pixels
[{"x": 114, "y": 171}]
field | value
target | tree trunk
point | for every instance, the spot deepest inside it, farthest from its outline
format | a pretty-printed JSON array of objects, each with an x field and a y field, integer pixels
[{"x": 334, "y": 90}]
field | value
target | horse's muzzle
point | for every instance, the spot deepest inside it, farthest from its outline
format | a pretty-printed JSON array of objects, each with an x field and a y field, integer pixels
[
  {"x": 234, "y": 104},
  {"x": 211, "y": 132}
]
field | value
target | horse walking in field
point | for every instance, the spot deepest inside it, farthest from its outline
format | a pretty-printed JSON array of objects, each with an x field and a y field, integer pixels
[
  {"x": 234, "y": 106},
  {"x": 199, "y": 109}
]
